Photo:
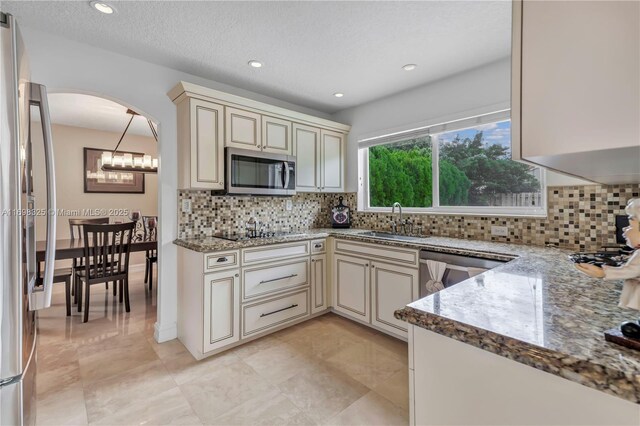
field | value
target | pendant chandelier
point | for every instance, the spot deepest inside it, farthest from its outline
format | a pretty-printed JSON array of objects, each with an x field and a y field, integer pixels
[{"x": 113, "y": 161}]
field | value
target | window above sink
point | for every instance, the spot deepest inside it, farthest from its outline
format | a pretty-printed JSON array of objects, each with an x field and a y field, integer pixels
[{"x": 459, "y": 167}]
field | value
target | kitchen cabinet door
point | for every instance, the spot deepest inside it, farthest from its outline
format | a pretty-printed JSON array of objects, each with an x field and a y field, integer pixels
[
  {"x": 306, "y": 148},
  {"x": 351, "y": 287},
  {"x": 243, "y": 129},
  {"x": 392, "y": 288},
  {"x": 318, "y": 283},
  {"x": 276, "y": 135},
  {"x": 205, "y": 154},
  {"x": 331, "y": 161},
  {"x": 575, "y": 103},
  {"x": 221, "y": 309}
]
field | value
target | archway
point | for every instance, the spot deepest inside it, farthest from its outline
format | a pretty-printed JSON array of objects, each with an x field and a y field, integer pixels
[{"x": 92, "y": 121}]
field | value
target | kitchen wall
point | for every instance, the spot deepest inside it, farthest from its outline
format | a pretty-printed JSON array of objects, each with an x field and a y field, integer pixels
[
  {"x": 68, "y": 144},
  {"x": 580, "y": 218},
  {"x": 478, "y": 91},
  {"x": 68, "y": 66}
]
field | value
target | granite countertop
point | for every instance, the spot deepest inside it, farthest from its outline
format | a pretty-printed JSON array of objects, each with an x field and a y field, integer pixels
[{"x": 536, "y": 309}]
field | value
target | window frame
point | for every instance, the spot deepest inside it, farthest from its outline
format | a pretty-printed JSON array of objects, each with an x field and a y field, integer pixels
[{"x": 436, "y": 208}]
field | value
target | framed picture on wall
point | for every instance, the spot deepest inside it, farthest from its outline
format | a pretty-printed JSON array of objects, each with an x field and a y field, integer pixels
[{"x": 98, "y": 181}]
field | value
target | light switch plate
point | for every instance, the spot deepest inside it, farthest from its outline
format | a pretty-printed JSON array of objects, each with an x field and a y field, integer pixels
[
  {"x": 500, "y": 231},
  {"x": 186, "y": 206},
  {"x": 288, "y": 205}
]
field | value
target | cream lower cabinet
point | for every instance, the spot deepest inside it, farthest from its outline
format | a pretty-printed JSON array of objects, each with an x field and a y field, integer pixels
[
  {"x": 230, "y": 297},
  {"x": 370, "y": 282},
  {"x": 351, "y": 287},
  {"x": 318, "y": 283},
  {"x": 221, "y": 309},
  {"x": 392, "y": 288}
]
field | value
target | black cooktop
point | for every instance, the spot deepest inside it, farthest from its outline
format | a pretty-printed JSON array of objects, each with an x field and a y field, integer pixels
[{"x": 251, "y": 235}]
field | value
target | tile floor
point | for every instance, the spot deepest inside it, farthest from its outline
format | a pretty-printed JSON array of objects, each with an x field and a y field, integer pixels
[{"x": 110, "y": 371}]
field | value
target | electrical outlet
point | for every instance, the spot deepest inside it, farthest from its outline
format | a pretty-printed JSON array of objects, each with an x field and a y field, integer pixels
[
  {"x": 500, "y": 231},
  {"x": 186, "y": 206},
  {"x": 288, "y": 205}
]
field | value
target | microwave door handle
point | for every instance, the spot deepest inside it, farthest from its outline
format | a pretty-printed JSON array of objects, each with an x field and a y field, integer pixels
[
  {"x": 287, "y": 172},
  {"x": 39, "y": 299}
]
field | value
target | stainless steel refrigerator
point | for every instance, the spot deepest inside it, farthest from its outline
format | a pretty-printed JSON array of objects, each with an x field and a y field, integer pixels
[{"x": 23, "y": 111}]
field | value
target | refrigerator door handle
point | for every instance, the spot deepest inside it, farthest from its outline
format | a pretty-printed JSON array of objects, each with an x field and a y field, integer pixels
[{"x": 41, "y": 298}]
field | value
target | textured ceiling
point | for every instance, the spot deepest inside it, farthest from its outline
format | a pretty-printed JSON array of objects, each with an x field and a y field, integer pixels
[
  {"x": 91, "y": 112},
  {"x": 310, "y": 50}
]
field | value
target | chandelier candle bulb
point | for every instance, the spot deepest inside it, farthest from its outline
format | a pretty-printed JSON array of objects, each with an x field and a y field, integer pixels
[
  {"x": 146, "y": 161},
  {"x": 106, "y": 157},
  {"x": 137, "y": 162},
  {"x": 155, "y": 163}
]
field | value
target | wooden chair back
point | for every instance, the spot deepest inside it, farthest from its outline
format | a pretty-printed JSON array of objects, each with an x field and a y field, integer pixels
[
  {"x": 106, "y": 251},
  {"x": 75, "y": 225}
]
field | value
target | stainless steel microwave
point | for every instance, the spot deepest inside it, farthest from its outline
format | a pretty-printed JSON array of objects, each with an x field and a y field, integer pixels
[{"x": 259, "y": 173}]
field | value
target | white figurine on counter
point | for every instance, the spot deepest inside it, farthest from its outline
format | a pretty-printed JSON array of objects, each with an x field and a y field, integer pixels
[{"x": 630, "y": 271}]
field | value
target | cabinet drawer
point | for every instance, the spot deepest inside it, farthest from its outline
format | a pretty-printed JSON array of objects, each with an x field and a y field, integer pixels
[
  {"x": 271, "y": 313},
  {"x": 318, "y": 246},
  {"x": 274, "y": 252},
  {"x": 267, "y": 279},
  {"x": 373, "y": 251},
  {"x": 220, "y": 260}
]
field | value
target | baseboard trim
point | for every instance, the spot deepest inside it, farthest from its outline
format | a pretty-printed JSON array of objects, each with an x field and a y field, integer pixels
[{"x": 164, "y": 334}]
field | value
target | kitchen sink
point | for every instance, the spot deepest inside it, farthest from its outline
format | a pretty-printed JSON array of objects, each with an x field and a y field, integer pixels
[{"x": 389, "y": 236}]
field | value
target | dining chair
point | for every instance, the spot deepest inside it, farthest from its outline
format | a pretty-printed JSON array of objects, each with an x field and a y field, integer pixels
[
  {"x": 61, "y": 275},
  {"x": 75, "y": 228},
  {"x": 150, "y": 225},
  {"x": 106, "y": 258}
]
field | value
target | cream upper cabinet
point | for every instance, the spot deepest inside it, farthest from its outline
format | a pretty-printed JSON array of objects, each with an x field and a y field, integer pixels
[
  {"x": 210, "y": 120},
  {"x": 318, "y": 283},
  {"x": 221, "y": 309},
  {"x": 575, "y": 78},
  {"x": 331, "y": 161},
  {"x": 276, "y": 135},
  {"x": 306, "y": 148},
  {"x": 319, "y": 159},
  {"x": 243, "y": 129},
  {"x": 392, "y": 288},
  {"x": 351, "y": 287},
  {"x": 201, "y": 144}
]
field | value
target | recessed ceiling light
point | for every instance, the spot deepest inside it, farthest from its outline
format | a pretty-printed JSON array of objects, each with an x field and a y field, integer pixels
[
  {"x": 338, "y": 95},
  {"x": 103, "y": 7},
  {"x": 409, "y": 67},
  {"x": 255, "y": 64}
]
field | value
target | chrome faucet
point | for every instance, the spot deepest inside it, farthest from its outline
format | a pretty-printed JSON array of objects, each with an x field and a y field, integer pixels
[{"x": 394, "y": 225}]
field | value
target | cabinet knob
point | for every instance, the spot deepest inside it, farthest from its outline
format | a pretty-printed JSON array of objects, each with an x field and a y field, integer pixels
[
  {"x": 259, "y": 146},
  {"x": 237, "y": 275},
  {"x": 373, "y": 266},
  {"x": 366, "y": 264}
]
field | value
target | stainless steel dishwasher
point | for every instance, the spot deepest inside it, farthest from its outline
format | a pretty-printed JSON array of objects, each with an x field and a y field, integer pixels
[{"x": 449, "y": 269}]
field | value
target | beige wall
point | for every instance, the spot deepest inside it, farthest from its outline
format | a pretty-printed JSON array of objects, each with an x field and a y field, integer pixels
[{"x": 68, "y": 144}]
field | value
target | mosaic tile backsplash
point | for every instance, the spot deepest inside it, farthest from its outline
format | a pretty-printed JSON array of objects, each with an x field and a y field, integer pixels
[{"x": 579, "y": 217}]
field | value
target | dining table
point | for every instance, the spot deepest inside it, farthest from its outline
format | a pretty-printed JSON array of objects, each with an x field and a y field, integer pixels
[{"x": 74, "y": 248}]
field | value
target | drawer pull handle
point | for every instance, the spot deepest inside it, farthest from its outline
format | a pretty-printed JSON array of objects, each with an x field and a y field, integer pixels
[
  {"x": 221, "y": 259},
  {"x": 318, "y": 246},
  {"x": 278, "y": 279},
  {"x": 295, "y": 305}
]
